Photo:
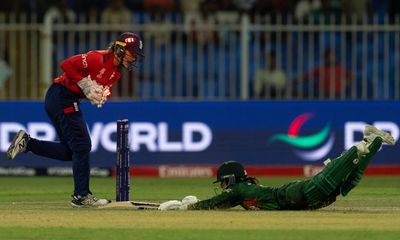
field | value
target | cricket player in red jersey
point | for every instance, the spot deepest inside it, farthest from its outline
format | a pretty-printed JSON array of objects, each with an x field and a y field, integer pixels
[{"x": 86, "y": 76}]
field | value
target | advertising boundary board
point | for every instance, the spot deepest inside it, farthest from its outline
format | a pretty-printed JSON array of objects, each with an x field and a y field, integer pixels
[{"x": 272, "y": 135}]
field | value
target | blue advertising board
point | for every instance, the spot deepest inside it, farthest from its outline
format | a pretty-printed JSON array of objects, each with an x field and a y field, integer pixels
[{"x": 252, "y": 132}]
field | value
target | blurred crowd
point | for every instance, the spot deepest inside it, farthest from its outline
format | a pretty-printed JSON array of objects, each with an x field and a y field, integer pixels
[
  {"x": 122, "y": 11},
  {"x": 276, "y": 75}
]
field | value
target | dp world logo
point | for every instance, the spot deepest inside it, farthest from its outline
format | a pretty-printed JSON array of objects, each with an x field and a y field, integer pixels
[{"x": 310, "y": 147}]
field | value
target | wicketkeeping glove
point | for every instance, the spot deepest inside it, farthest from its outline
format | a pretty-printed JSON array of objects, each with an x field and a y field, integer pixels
[
  {"x": 92, "y": 90},
  {"x": 105, "y": 94}
]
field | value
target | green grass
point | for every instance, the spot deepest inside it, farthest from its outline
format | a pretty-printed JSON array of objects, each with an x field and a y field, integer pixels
[{"x": 38, "y": 208}]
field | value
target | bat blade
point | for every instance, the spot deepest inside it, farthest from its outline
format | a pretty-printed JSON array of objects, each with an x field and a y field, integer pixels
[{"x": 136, "y": 205}]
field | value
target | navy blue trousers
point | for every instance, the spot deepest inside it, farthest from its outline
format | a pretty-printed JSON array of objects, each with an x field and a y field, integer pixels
[{"x": 62, "y": 107}]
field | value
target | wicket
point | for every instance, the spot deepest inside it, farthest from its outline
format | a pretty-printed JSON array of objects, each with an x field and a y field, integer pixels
[
  {"x": 122, "y": 173},
  {"x": 122, "y": 166}
]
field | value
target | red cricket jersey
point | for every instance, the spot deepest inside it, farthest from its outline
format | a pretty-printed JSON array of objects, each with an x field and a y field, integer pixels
[
  {"x": 98, "y": 64},
  {"x": 331, "y": 75}
]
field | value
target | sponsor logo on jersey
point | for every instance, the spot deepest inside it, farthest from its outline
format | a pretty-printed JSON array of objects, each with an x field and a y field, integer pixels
[
  {"x": 112, "y": 76},
  {"x": 84, "y": 60},
  {"x": 100, "y": 74}
]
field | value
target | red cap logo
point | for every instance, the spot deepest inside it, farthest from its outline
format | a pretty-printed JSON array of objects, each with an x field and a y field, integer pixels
[{"x": 130, "y": 40}]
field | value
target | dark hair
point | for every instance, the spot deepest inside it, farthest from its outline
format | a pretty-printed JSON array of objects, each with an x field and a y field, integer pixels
[{"x": 251, "y": 180}]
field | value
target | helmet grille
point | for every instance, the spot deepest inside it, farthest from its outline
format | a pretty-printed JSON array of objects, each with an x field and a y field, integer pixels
[{"x": 231, "y": 169}]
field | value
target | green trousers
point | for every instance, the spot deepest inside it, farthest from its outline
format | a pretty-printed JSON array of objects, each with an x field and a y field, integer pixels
[{"x": 338, "y": 177}]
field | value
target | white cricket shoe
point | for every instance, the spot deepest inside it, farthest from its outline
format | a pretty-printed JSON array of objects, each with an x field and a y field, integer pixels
[
  {"x": 18, "y": 144},
  {"x": 371, "y": 132},
  {"x": 88, "y": 201}
]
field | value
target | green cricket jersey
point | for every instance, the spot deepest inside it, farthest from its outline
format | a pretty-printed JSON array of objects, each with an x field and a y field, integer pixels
[
  {"x": 257, "y": 197},
  {"x": 338, "y": 177}
]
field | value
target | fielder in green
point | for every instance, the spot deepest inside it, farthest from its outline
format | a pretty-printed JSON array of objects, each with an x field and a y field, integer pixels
[{"x": 338, "y": 177}]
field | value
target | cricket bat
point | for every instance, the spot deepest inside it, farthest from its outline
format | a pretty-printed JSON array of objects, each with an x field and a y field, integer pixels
[{"x": 136, "y": 205}]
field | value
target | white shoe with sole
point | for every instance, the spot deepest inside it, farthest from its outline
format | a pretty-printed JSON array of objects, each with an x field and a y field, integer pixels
[
  {"x": 18, "y": 144},
  {"x": 88, "y": 201},
  {"x": 371, "y": 132}
]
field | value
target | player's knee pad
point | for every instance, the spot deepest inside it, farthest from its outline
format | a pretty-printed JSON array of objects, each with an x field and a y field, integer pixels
[
  {"x": 351, "y": 183},
  {"x": 325, "y": 183},
  {"x": 320, "y": 187}
]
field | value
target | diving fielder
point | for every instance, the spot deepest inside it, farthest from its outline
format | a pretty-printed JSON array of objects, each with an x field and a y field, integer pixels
[
  {"x": 86, "y": 76},
  {"x": 339, "y": 176}
]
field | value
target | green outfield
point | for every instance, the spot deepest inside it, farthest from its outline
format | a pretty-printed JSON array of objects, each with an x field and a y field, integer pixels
[{"x": 38, "y": 208}]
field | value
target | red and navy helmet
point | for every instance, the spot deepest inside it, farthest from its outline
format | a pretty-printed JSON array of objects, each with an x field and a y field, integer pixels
[{"x": 131, "y": 42}]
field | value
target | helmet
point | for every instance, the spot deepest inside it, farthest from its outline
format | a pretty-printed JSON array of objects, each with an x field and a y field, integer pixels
[
  {"x": 231, "y": 172},
  {"x": 129, "y": 42}
]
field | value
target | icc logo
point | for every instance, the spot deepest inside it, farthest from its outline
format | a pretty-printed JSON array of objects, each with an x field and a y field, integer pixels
[
  {"x": 311, "y": 147},
  {"x": 316, "y": 146}
]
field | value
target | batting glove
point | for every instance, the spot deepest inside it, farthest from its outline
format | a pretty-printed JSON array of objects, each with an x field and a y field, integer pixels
[
  {"x": 170, "y": 205},
  {"x": 188, "y": 200}
]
